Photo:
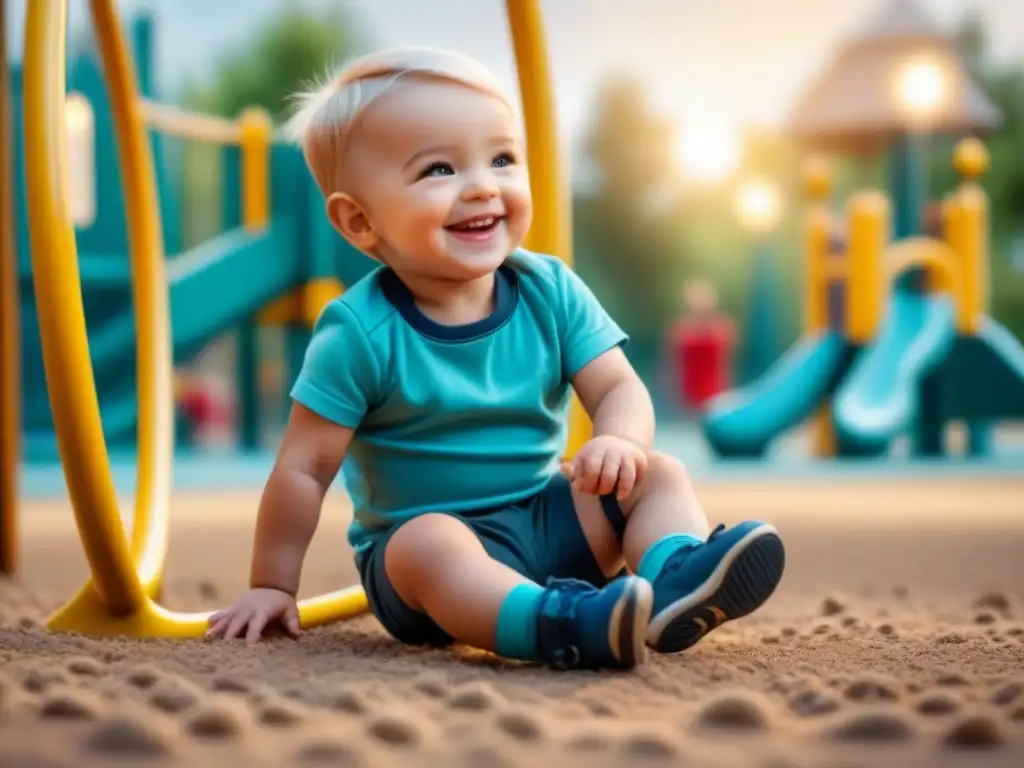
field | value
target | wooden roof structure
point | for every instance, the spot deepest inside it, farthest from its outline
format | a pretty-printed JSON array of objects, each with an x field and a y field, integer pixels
[{"x": 855, "y": 107}]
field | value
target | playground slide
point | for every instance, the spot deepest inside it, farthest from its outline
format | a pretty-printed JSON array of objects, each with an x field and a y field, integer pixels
[
  {"x": 212, "y": 288},
  {"x": 745, "y": 421},
  {"x": 878, "y": 399}
]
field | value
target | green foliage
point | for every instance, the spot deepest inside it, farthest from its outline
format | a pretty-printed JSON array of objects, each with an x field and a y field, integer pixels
[
  {"x": 294, "y": 47},
  {"x": 629, "y": 236},
  {"x": 1004, "y": 183}
]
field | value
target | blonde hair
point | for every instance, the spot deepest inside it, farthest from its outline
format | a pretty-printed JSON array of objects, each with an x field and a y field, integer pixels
[{"x": 327, "y": 113}]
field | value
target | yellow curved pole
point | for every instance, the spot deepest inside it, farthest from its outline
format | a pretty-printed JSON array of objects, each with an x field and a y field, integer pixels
[
  {"x": 73, "y": 401},
  {"x": 152, "y": 311},
  {"x": 10, "y": 332},
  {"x": 937, "y": 258},
  {"x": 118, "y": 600},
  {"x": 551, "y": 231}
]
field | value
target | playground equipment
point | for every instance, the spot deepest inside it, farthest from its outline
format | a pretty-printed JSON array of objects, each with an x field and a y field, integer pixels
[
  {"x": 884, "y": 355},
  {"x": 120, "y": 598},
  {"x": 280, "y": 256}
]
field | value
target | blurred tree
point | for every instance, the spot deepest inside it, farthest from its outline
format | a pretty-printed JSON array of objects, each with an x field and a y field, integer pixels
[
  {"x": 628, "y": 230},
  {"x": 293, "y": 47},
  {"x": 1004, "y": 85}
]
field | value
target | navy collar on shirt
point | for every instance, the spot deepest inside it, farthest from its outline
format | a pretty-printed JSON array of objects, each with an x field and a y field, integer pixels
[{"x": 506, "y": 294}]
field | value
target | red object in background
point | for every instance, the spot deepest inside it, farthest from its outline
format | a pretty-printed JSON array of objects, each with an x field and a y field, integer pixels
[
  {"x": 202, "y": 408},
  {"x": 703, "y": 353}
]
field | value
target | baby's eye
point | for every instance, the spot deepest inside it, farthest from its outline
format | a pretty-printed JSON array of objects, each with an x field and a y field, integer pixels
[
  {"x": 503, "y": 160},
  {"x": 437, "y": 169}
]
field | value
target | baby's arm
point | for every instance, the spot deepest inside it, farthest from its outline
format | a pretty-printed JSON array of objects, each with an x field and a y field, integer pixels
[
  {"x": 308, "y": 460},
  {"x": 310, "y": 455},
  {"x": 616, "y": 399},
  {"x": 339, "y": 376}
]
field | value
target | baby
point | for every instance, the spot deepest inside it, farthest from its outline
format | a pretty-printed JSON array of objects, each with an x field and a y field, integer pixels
[{"x": 445, "y": 376}]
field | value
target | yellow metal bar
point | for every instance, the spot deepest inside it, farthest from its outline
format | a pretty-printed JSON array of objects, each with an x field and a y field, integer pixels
[
  {"x": 834, "y": 269},
  {"x": 551, "y": 231},
  {"x": 824, "y": 442},
  {"x": 817, "y": 226},
  {"x": 10, "y": 329},
  {"x": 152, "y": 312},
  {"x": 866, "y": 284},
  {"x": 118, "y": 600},
  {"x": 971, "y": 159},
  {"x": 939, "y": 261},
  {"x": 61, "y": 317},
  {"x": 183, "y": 124},
  {"x": 256, "y": 129}
]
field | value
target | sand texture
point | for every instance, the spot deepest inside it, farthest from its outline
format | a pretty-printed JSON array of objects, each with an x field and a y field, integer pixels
[{"x": 896, "y": 639}]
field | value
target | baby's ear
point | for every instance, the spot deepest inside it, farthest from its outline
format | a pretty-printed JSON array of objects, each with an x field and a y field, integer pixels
[{"x": 349, "y": 218}]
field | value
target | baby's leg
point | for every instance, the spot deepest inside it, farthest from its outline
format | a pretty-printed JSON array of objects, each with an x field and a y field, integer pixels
[
  {"x": 699, "y": 581},
  {"x": 438, "y": 566}
]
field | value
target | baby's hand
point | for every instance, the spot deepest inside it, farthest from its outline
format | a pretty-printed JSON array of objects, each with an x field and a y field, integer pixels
[
  {"x": 606, "y": 464},
  {"x": 255, "y": 610}
]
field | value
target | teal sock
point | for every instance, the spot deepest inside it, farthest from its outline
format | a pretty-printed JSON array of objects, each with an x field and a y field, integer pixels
[
  {"x": 654, "y": 558},
  {"x": 516, "y": 636}
]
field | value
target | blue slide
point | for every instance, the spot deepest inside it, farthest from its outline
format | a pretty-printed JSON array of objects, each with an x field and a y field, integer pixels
[
  {"x": 878, "y": 398},
  {"x": 743, "y": 422}
]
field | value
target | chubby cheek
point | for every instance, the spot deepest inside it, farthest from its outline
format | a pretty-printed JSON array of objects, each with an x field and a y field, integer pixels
[
  {"x": 421, "y": 224},
  {"x": 519, "y": 211}
]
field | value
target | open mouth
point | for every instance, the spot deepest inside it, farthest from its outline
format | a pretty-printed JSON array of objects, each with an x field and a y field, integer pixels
[{"x": 477, "y": 228}]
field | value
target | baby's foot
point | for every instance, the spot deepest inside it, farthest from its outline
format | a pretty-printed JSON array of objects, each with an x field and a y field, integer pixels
[
  {"x": 705, "y": 585},
  {"x": 582, "y": 627}
]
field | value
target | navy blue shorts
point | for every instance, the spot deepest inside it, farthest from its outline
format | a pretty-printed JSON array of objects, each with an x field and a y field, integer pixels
[{"x": 539, "y": 537}]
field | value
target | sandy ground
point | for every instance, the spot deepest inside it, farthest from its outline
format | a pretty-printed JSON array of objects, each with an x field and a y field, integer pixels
[{"x": 896, "y": 639}]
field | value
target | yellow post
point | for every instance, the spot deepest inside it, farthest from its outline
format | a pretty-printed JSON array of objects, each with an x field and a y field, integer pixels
[
  {"x": 817, "y": 187},
  {"x": 10, "y": 330},
  {"x": 952, "y": 236},
  {"x": 866, "y": 281},
  {"x": 255, "y": 129},
  {"x": 817, "y": 225},
  {"x": 971, "y": 230},
  {"x": 551, "y": 231}
]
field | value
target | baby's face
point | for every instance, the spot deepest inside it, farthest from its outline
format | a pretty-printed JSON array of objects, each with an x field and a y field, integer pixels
[{"x": 440, "y": 173}]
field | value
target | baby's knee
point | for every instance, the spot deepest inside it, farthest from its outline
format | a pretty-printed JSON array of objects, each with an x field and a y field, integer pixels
[
  {"x": 663, "y": 469},
  {"x": 426, "y": 541}
]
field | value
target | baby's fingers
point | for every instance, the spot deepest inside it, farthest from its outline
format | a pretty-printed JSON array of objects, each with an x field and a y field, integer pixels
[
  {"x": 219, "y": 622},
  {"x": 627, "y": 479},
  {"x": 238, "y": 622},
  {"x": 291, "y": 621},
  {"x": 610, "y": 471},
  {"x": 256, "y": 626}
]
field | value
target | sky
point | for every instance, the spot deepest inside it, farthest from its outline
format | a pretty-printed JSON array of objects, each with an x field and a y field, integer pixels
[{"x": 746, "y": 60}]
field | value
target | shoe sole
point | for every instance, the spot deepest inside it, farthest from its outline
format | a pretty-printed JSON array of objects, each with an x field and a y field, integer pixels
[
  {"x": 627, "y": 629},
  {"x": 739, "y": 585}
]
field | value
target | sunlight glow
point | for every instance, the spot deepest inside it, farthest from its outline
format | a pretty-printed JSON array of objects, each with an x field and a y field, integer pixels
[
  {"x": 921, "y": 87},
  {"x": 709, "y": 149},
  {"x": 759, "y": 205}
]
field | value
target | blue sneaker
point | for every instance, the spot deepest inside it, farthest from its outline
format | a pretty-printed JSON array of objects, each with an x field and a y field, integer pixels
[
  {"x": 582, "y": 627},
  {"x": 705, "y": 585}
]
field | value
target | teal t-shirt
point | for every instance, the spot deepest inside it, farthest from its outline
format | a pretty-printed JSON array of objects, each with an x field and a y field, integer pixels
[{"x": 452, "y": 418}]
